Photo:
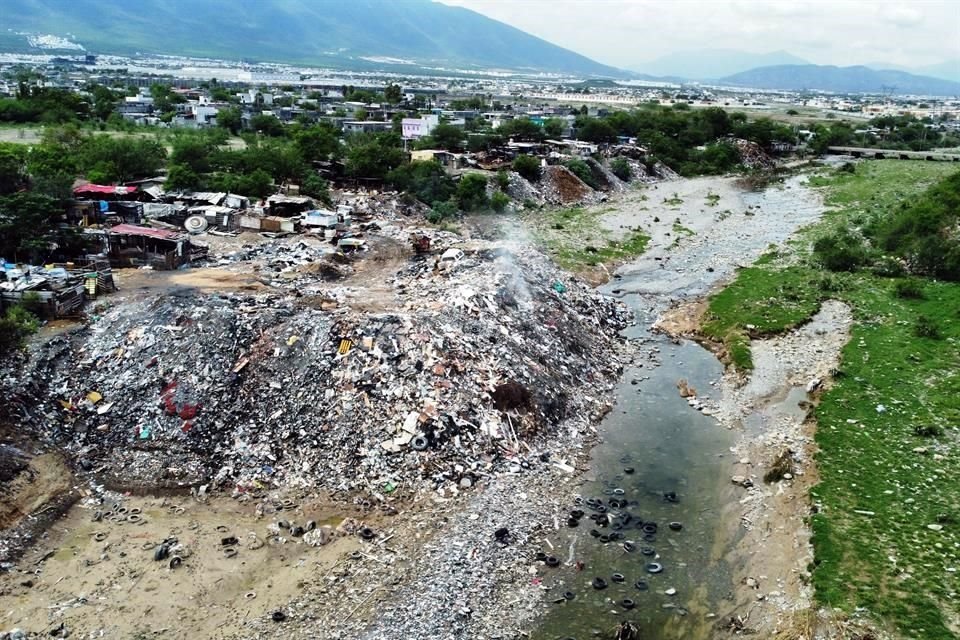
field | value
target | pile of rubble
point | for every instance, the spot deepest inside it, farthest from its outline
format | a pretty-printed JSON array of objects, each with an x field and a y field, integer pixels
[
  {"x": 752, "y": 155},
  {"x": 469, "y": 369}
]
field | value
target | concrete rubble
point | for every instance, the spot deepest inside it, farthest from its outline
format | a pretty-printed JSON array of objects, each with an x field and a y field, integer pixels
[{"x": 465, "y": 372}]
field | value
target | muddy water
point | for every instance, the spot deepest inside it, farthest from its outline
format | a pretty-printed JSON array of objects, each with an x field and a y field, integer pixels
[{"x": 670, "y": 447}]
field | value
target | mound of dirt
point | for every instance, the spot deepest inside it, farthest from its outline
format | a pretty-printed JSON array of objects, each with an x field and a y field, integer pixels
[{"x": 559, "y": 185}]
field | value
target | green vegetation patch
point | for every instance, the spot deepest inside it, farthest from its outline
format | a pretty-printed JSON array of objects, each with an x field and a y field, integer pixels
[
  {"x": 576, "y": 239},
  {"x": 887, "y": 522}
]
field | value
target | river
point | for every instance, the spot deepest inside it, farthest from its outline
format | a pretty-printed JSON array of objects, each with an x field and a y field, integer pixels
[{"x": 668, "y": 460}]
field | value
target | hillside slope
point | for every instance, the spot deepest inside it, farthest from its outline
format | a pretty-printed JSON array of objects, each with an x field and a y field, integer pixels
[{"x": 303, "y": 31}]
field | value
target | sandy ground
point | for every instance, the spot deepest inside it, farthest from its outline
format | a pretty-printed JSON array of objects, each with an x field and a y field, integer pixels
[{"x": 100, "y": 578}]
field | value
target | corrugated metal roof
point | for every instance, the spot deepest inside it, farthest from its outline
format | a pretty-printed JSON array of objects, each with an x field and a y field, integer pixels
[{"x": 149, "y": 232}]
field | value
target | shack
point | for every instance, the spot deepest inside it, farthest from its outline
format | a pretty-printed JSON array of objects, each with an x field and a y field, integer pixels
[{"x": 134, "y": 246}]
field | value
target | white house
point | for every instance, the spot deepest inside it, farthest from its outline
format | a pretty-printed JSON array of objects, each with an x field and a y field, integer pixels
[{"x": 416, "y": 128}]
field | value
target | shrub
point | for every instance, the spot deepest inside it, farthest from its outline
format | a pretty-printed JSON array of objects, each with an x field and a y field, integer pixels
[
  {"x": 15, "y": 326},
  {"x": 909, "y": 289},
  {"x": 528, "y": 167},
  {"x": 926, "y": 328},
  {"x": 621, "y": 168},
  {"x": 499, "y": 201},
  {"x": 582, "y": 170},
  {"x": 503, "y": 180},
  {"x": 840, "y": 252},
  {"x": 442, "y": 210},
  {"x": 472, "y": 192}
]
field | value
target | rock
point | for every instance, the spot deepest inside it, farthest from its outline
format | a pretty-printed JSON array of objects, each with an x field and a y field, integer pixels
[
  {"x": 671, "y": 591},
  {"x": 935, "y": 527}
]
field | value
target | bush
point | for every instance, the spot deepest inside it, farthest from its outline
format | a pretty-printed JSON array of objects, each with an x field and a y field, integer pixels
[
  {"x": 528, "y": 167},
  {"x": 442, "y": 210},
  {"x": 503, "y": 180},
  {"x": 909, "y": 289},
  {"x": 840, "y": 252},
  {"x": 472, "y": 192},
  {"x": 582, "y": 170},
  {"x": 499, "y": 201},
  {"x": 926, "y": 328},
  {"x": 621, "y": 168},
  {"x": 15, "y": 326}
]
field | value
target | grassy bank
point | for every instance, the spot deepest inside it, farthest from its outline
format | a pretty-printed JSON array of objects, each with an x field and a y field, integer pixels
[
  {"x": 887, "y": 527},
  {"x": 577, "y": 241}
]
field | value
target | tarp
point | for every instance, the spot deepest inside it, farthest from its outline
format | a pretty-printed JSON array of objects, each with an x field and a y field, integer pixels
[
  {"x": 149, "y": 232},
  {"x": 104, "y": 188}
]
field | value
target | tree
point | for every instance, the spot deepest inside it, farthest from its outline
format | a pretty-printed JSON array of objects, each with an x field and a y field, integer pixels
[
  {"x": 596, "y": 130},
  {"x": 393, "y": 94},
  {"x": 427, "y": 181},
  {"x": 192, "y": 151},
  {"x": 13, "y": 170},
  {"x": 446, "y": 136},
  {"x": 104, "y": 101},
  {"x": 110, "y": 159},
  {"x": 521, "y": 129},
  {"x": 316, "y": 187},
  {"x": 499, "y": 201},
  {"x": 472, "y": 192},
  {"x": 554, "y": 127},
  {"x": 373, "y": 155},
  {"x": 230, "y": 119},
  {"x": 25, "y": 221},
  {"x": 268, "y": 125},
  {"x": 527, "y": 166},
  {"x": 361, "y": 114},
  {"x": 181, "y": 176},
  {"x": 319, "y": 142}
]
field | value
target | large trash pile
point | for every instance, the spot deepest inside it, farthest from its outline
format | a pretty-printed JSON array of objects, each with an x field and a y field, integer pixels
[
  {"x": 467, "y": 369},
  {"x": 752, "y": 155}
]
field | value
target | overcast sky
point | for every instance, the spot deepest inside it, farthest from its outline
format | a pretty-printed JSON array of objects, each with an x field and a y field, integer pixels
[{"x": 626, "y": 33}]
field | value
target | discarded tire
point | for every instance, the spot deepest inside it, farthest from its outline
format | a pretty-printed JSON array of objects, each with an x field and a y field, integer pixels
[
  {"x": 654, "y": 567},
  {"x": 594, "y": 533},
  {"x": 629, "y": 470},
  {"x": 230, "y": 552},
  {"x": 501, "y": 534},
  {"x": 541, "y": 556},
  {"x": 627, "y": 604},
  {"x": 618, "y": 578},
  {"x": 552, "y": 561},
  {"x": 671, "y": 496},
  {"x": 629, "y": 547},
  {"x": 675, "y": 526},
  {"x": 283, "y": 524},
  {"x": 296, "y": 532},
  {"x": 641, "y": 585},
  {"x": 161, "y": 553},
  {"x": 311, "y": 525},
  {"x": 419, "y": 443},
  {"x": 99, "y": 536},
  {"x": 229, "y": 541},
  {"x": 599, "y": 583},
  {"x": 569, "y": 595},
  {"x": 576, "y": 513},
  {"x": 573, "y": 522},
  {"x": 650, "y": 527},
  {"x": 175, "y": 562},
  {"x": 366, "y": 533},
  {"x": 278, "y": 616},
  {"x": 647, "y": 551}
]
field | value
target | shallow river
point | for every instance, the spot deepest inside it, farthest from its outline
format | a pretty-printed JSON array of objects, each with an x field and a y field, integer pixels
[{"x": 669, "y": 462}]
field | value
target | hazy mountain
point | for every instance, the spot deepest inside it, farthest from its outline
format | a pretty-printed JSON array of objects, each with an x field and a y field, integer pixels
[
  {"x": 714, "y": 63},
  {"x": 305, "y": 31},
  {"x": 842, "y": 80},
  {"x": 949, "y": 70}
]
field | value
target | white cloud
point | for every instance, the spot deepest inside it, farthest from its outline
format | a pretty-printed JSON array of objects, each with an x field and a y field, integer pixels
[{"x": 626, "y": 33}]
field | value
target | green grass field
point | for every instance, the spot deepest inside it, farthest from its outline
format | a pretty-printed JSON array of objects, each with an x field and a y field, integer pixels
[{"x": 887, "y": 522}]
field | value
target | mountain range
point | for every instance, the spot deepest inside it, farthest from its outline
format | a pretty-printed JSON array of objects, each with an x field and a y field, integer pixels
[
  {"x": 858, "y": 79},
  {"x": 415, "y": 36},
  {"x": 301, "y": 31},
  {"x": 703, "y": 64}
]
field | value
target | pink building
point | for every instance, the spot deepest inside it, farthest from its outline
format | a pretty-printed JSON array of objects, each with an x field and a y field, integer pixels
[{"x": 416, "y": 128}]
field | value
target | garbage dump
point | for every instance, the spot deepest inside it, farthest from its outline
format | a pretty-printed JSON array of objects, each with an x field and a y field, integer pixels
[{"x": 465, "y": 368}]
